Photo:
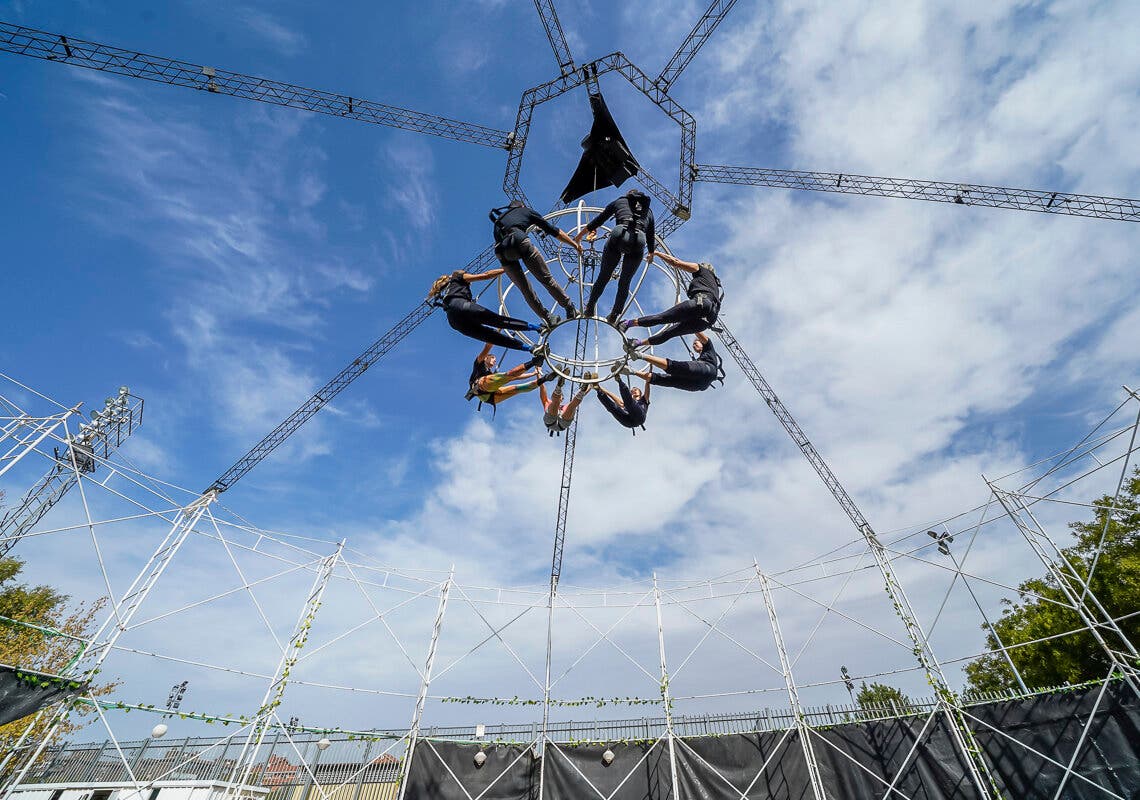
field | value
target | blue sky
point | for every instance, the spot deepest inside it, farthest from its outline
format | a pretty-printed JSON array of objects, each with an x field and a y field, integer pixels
[{"x": 224, "y": 258}]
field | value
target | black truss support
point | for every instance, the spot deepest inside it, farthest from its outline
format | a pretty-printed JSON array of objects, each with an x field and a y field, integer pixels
[
  {"x": 681, "y": 203},
  {"x": 752, "y": 372},
  {"x": 323, "y": 396},
  {"x": 104, "y": 58},
  {"x": 589, "y": 266},
  {"x": 969, "y": 194},
  {"x": 693, "y": 42},
  {"x": 962, "y": 734},
  {"x": 555, "y": 34}
]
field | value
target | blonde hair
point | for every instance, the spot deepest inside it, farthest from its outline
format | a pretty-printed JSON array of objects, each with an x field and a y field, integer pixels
[{"x": 438, "y": 286}]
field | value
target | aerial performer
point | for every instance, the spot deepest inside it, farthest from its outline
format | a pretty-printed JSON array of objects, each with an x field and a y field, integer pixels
[
  {"x": 494, "y": 387},
  {"x": 453, "y": 294},
  {"x": 629, "y": 409},
  {"x": 694, "y": 375},
  {"x": 555, "y": 416},
  {"x": 694, "y": 315},
  {"x": 633, "y": 231},
  {"x": 513, "y": 248}
]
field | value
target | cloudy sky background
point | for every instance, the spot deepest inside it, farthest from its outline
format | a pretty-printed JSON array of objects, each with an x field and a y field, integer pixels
[{"x": 224, "y": 258}]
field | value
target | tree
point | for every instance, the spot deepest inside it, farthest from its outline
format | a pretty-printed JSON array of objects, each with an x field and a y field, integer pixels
[
  {"x": 878, "y": 695},
  {"x": 1036, "y": 614},
  {"x": 49, "y": 646}
]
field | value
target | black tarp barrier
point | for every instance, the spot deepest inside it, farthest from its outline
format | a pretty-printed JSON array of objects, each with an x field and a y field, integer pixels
[
  {"x": 23, "y": 692},
  {"x": 639, "y": 771},
  {"x": 510, "y": 771},
  {"x": 725, "y": 767},
  {"x": 856, "y": 759},
  {"x": 1052, "y": 724},
  {"x": 932, "y": 770}
]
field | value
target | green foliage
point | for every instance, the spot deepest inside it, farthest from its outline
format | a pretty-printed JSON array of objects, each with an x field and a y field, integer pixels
[
  {"x": 40, "y": 633},
  {"x": 1036, "y": 614},
  {"x": 880, "y": 694}
]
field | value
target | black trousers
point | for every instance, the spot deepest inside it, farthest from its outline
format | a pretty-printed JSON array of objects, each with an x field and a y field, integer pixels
[
  {"x": 624, "y": 246},
  {"x": 516, "y": 247},
  {"x": 472, "y": 319},
  {"x": 691, "y": 316},
  {"x": 623, "y": 415},
  {"x": 692, "y": 376}
]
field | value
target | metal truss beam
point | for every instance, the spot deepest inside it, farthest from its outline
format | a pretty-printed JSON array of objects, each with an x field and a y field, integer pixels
[
  {"x": 95, "y": 440},
  {"x": 105, "y": 58},
  {"x": 681, "y": 203},
  {"x": 1073, "y": 586},
  {"x": 555, "y": 34},
  {"x": 21, "y": 435},
  {"x": 802, "y": 727},
  {"x": 343, "y": 379},
  {"x": 967, "y": 194},
  {"x": 275, "y": 692},
  {"x": 963, "y": 735},
  {"x": 117, "y": 622},
  {"x": 693, "y": 42},
  {"x": 425, "y": 683}
]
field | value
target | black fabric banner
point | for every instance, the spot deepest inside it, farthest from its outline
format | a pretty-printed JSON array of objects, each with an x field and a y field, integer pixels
[
  {"x": 1052, "y": 724},
  {"x": 887, "y": 754},
  {"x": 638, "y": 772},
  {"x": 23, "y": 693},
  {"x": 914, "y": 755},
  {"x": 725, "y": 767},
  {"x": 509, "y": 773}
]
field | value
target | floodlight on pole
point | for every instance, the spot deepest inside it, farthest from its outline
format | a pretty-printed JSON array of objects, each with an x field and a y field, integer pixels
[
  {"x": 177, "y": 692},
  {"x": 848, "y": 682}
]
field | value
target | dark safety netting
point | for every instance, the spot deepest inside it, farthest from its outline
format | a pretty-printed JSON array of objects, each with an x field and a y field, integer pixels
[
  {"x": 1084, "y": 742},
  {"x": 24, "y": 692}
]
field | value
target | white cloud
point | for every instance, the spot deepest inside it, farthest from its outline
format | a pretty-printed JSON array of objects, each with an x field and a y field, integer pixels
[
  {"x": 411, "y": 188},
  {"x": 272, "y": 30}
]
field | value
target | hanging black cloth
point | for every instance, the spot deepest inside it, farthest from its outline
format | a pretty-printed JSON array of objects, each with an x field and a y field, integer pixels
[
  {"x": 606, "y": 160},
  {"x": 24, "y": 692}
]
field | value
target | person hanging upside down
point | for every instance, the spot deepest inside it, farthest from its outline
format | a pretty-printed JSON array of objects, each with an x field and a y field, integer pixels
[
  {"x": 453, "y": 294},
  {"x": 494, "y": 387},
  {"x": 555, "y": 416},
  {"x": 634, "y": 229},
  {"x": 694, "y": 375},
  {"x": 629, "y": 409},
  {"x": 694, "y": 315},
  {"x": 513, "y": 248}
]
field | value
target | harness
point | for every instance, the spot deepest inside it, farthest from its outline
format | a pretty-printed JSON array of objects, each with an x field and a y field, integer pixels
[
  {"x": 720, "y": 376},
  {"x": 631, "y": 234},
  {"x": 441, "y": 300},
  {"x": 478, "y": 372}
]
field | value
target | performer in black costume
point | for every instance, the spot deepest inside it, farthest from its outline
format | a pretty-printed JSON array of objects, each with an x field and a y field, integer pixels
[
  {"x": 453, "y": 294},
  {"x": 630, "y": 409},
  {"x": 633, "y": 231},
  {"x": 694, "y": 375},
  {"x": 694, "y": 315},
  {"x": 513, "y": 248}
]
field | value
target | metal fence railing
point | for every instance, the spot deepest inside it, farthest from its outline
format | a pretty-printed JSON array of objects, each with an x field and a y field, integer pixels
[{"x": 366, "y": 767}]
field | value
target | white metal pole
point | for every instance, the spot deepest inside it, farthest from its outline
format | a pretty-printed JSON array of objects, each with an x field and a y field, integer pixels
[
  {"x": 986, "y": 619},
  {"x": 802, "y": 728},
  {"x": 546, "y": 686},
  {"x": 425, "y": 682},
  {"x": 291, "y": 654},
  {"x": 118, "y": 619},
  {"x": 665, "y": 701}
]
